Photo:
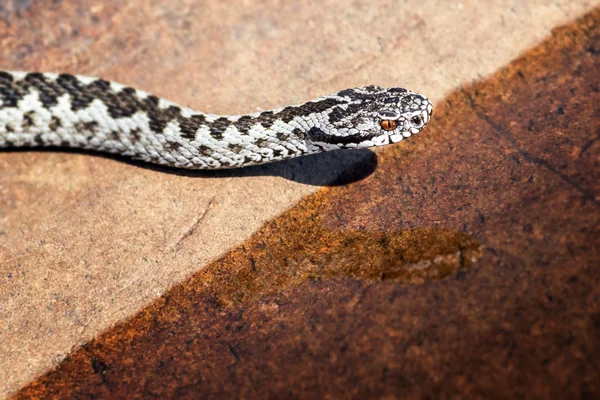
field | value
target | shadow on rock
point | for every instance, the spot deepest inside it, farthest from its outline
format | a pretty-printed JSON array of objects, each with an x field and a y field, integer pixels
[{"x": 334, "y": 168}]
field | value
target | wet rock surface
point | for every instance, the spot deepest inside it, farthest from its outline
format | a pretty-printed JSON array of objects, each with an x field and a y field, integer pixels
[{"x": 466, "y": 265}]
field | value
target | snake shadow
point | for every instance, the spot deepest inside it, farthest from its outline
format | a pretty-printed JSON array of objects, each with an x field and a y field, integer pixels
[{"x": 333, "y": 168}]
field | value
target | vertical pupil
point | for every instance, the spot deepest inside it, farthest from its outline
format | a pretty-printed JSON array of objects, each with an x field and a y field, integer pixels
[{"x": 388, "y": 125}]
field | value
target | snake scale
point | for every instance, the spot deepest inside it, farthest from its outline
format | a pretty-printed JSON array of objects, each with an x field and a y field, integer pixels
[{"x": 78, "y": 112}]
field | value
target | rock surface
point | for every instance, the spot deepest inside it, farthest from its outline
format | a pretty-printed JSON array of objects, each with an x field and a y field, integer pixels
[{"x": 465, "y": 264}]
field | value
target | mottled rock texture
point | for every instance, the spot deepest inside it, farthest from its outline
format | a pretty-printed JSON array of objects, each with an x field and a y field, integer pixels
[
  {"x": 499, "y": 200},
  {"x": 87, "y": 241}
]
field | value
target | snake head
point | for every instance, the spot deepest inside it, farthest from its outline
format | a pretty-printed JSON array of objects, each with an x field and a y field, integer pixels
[{"x": 372, "y": 116}]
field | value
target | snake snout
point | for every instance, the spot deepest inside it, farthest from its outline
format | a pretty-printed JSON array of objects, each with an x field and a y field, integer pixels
[{"x": 428, "y": 110}]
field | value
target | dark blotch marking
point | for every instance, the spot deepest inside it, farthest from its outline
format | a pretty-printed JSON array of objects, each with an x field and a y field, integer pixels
[
  {"x": 244, "y": 123},
  {"x": 373, "y": 89},
  {"x": 135, "y": 134},
  {"x": 55, "y": 123},
  {"x": 218, "y": 127},
  {"x": 189, "y": 126},
  {"x": 114, "y": 135},
  {"x": 10, "y": 91},
  {"x": 249, "y": 160},
  {"x": 48, "y": 93},
  {"x": 28, "y": 120},
  {"x": 282, "y": 136},
  {"x": 277, "y": 152},
  {"x": 388, "y": 114},
  {"x": 5, "y": 76},
  {"x": 152, "y": 100},
  {"x": 205, "y": 150},
  {"x": 261, "y": 142},
  {"x": 80, "y": 98},
  {"x": 347, "y": 93},
  {"x": 317, "y": 135},
  {"x": 337, "y": 114},
  {"x": 299, "y": 134},
  {"x": 266, "y": 119},
  {"x": 100, "y": 84},
  {"x": 340, "y": 113},
  {"x": 120, "y": 104},
  {"x": 172, "y": 146},
  {"x": 236, "y": 148},
  {"x": 89, "y": 126},
  {"x": 288, "y": 113},
  {"x": 159, "y": 118},
  {"x": 371, "y": 92}
]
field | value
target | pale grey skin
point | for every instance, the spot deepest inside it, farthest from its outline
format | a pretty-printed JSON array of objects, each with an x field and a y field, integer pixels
[{"x": 66, "y": 111}]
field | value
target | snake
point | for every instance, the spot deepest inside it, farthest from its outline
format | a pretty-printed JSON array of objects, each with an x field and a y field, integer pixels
[{"x": 68, "y": 111}]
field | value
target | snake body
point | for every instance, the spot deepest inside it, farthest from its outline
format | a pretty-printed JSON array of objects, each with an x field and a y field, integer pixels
[{"x": 70, "y": 111}]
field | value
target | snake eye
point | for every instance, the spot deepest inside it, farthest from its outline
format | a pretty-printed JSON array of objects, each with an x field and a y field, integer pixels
[
  {"x": 388, "y": 125},
  {"x": 416, "y": 121}
]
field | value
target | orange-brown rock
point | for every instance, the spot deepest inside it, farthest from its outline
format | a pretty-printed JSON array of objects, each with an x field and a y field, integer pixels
[{"x": 465, "y": 266}]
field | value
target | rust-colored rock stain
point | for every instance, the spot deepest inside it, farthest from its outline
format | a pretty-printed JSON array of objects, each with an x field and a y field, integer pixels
[
  {"x": 295, "y": 248},
  {"x": 317, "y": 303}
]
